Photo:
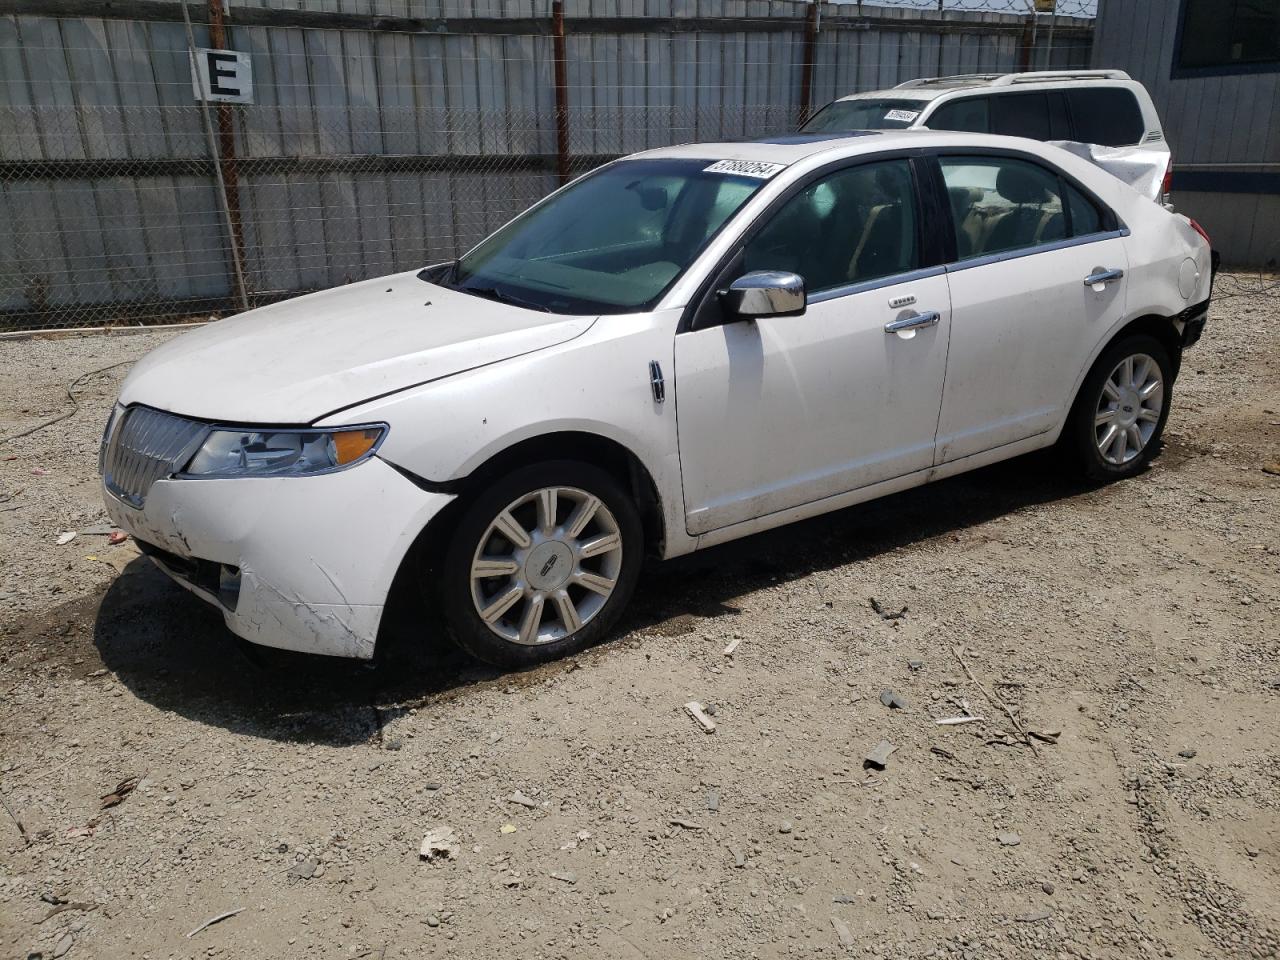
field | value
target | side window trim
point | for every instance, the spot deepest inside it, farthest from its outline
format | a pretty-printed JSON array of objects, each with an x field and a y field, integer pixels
[
  {"x": 917, "y": 158},
  {"x": 1035, "y": 251},
  {"x": 911, "y": 276}
]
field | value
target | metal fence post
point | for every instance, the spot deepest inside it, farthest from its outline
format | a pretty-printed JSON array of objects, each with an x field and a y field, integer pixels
[
  {"x": 227, "y": 149},
  {"x": 241, "y": 295},
  {"x": 806, "y": 63},
  {"x": 562, "y": 92}
]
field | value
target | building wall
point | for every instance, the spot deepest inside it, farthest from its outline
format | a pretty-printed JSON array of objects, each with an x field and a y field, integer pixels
[{"x": 1224, "y": 130}]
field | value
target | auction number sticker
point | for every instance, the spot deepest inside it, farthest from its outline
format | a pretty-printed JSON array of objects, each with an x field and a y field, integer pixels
[
  {"x": 902, "y": 116},
  {"x": 746, "y": 168}
]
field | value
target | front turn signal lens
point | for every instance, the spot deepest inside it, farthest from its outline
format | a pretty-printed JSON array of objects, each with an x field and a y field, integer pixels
[{"x": 350, "y": 445}]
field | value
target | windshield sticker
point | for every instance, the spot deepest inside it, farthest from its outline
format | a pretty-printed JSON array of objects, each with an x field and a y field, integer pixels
[
  {"x": 902, "y": 116},
  {"x": 746, "y": 168}
]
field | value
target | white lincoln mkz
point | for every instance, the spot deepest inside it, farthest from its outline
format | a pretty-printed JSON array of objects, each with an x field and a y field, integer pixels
[{"x": 683, "y": 347}]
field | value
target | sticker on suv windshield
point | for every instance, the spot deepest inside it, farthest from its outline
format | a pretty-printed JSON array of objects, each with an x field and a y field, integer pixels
[
  {"x": 746, "y": 168},
  {"x": 902, "y": 116}
]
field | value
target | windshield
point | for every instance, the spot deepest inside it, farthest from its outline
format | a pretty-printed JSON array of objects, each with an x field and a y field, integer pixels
[
  {"x": 611, "y": 243},
  {"x": 890, "y": 114}
]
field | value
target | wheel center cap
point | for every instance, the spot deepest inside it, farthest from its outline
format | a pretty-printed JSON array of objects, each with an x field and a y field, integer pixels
[
  {"x": 548, "y": 566},
  {"x": 1129, "y": 407}
]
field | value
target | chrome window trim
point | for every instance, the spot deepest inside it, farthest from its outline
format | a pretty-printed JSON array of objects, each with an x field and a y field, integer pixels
[
  {"x": 834, "y": 293},
  {"x": 958, "y": 265}
]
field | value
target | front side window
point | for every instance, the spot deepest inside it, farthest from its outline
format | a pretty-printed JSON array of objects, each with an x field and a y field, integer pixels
[
  {"x": 1229, "y": 36},
  {"x": 612, "y": 242},
  {"x": 970, "y": 115},
  {"x": 856, "y": 224},
  {"x": 1000, "y": 204},
  {"x": 887, "y": 114}
]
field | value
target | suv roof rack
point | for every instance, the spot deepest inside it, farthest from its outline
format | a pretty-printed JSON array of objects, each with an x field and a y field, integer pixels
[{"x": 1009, "y": 79}]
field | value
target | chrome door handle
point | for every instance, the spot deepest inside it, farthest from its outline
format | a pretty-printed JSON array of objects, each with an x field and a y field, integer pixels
[
  {"x": 1103, "y": 276},
  {"x": 916, "y": 322}
]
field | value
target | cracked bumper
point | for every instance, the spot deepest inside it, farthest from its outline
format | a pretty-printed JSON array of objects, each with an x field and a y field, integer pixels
[{"x": 315, "y": 555}]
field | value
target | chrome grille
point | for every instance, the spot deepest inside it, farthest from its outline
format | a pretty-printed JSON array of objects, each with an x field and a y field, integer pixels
[{"x": 145, "y": 446}]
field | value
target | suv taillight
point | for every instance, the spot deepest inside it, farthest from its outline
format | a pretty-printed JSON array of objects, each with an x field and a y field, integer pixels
[
  {"x": 1166, "y": 187},
  {"x": 1200, "y": 230}
]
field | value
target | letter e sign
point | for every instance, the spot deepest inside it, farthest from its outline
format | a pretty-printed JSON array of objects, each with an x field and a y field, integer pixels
[{"x": 222, "y": 76}]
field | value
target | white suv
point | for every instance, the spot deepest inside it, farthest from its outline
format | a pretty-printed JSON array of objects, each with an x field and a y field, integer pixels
[
  {"x": 1104, "y": 108},
  {"x": 680, "y": 348}
]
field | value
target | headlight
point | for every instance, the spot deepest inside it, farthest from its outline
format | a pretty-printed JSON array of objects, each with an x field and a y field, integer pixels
[{"x": 282, "y": 453}]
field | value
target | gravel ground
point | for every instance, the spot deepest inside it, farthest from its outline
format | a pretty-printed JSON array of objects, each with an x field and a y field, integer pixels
[{"x": 1135, "y": 627}]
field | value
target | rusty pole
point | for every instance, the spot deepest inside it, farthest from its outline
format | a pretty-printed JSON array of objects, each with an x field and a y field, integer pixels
[
  {"x": 562, "y": 92},
  {"x": 806, "y": 67},
  {"x": 227, "y": 153}
]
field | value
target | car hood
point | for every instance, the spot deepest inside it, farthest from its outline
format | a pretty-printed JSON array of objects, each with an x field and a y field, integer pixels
[{"x": 295, "y": 361}]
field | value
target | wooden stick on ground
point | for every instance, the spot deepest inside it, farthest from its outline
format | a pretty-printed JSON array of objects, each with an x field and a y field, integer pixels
[
  {"x": 21, "y": 829},
  {"x": 996, "y": 701},
  {"x": 212, "y": 920}
]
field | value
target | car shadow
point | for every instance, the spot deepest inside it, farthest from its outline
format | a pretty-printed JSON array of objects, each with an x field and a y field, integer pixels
[{"x": 173, "y": 651}]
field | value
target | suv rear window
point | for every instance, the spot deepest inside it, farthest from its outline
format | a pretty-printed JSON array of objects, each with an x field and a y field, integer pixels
[{"x": 1108, "y": 116}]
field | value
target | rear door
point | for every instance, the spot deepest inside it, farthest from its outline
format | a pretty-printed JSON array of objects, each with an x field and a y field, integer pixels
[
  {"x": 783, "y": 411},
  {"x": 1024, "y": 321}
]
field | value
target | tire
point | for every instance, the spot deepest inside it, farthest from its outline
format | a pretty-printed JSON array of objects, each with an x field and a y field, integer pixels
[
  {"x": 1138, "y": 410},
  {"x": 527, "y": 589}
]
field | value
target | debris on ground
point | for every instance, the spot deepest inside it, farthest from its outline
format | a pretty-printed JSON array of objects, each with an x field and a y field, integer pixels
[
  {"x": 878, "y": 758},
  {"x": 306, "y": 870},
  {"x": 1008, "y": 838},
  {"x": 217, "y": 919},
  {"x": 66, "y": 537},
  {"x": 122, "y": 790},
  {"x": 117, "y": 537},
  {"x": 1035, "y": 916},
  {"x": 695, "y": 710},
  {"x": 956, "y": 721},
  {"x": 524, "y": 801},
  {"x": 685, "y": 824},
  {"x": 564, "y": 876},
  {"x": 843, "y": 933},
  {"x": 732, "y": 646},
  {"x": 887, "y": 614},
  {"x": 1187, "y": 754},
  {"x": 892, "y": 700},
  {"x": 713, "y": 800},
  {"x": 442, "y": 842}
]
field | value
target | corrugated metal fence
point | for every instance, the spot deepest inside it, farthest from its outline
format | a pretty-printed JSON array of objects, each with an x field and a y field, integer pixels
[{"x": 378, "y": 141}]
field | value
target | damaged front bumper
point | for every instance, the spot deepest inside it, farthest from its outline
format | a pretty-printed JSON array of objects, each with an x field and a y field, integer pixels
[{"x": 299, "y": 563}]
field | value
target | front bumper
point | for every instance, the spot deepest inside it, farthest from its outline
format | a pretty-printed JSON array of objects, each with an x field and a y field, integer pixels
[{"x": 299, "y": 563}]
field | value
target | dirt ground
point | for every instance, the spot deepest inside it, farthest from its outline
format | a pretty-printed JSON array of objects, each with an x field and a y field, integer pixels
[{"x": 1135, "y": 627}]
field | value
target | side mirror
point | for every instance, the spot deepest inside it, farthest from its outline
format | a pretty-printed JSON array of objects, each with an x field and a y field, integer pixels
[{"x": 765, "y": 293}]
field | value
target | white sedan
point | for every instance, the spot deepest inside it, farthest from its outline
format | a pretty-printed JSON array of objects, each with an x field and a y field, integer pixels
[{"x": 683, "y": 347}]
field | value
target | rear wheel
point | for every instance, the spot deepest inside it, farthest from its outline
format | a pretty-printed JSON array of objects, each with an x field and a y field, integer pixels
[
  {"x": 1119, "y": 416},
  {"x": 541, "y": 564}
]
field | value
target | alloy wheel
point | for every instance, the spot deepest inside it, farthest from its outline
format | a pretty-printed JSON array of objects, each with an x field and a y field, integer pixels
[
  {"x": 1129, "y": 409},
  {"x": 546, "y": 565}
]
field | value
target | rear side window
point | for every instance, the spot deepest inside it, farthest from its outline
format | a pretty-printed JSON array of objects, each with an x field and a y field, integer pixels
[
  {"x": 1002, "y": 203},
  {"x": 968, "y": 115},
  {"x": 1021, "y": 115},
  {"x": 1108, "y": 116},
  {"x": 1085, "y": 217}
]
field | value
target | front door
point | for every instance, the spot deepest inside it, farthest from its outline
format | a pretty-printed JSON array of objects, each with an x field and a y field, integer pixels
[{"x": 784, "y": 411}]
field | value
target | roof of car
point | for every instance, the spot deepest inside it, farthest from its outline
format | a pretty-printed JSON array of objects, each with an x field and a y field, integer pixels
[
  {"x": 930, "y": 88},
  {"x": 791, "y": 148}
]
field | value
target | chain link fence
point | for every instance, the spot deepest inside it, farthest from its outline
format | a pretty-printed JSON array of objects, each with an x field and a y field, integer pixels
[{"x": 377, "y": 143}]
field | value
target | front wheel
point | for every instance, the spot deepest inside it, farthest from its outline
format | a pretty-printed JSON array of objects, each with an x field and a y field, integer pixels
[
  {"x": 1119, "y": 416},
  {"x": 541, "y": 564}
]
